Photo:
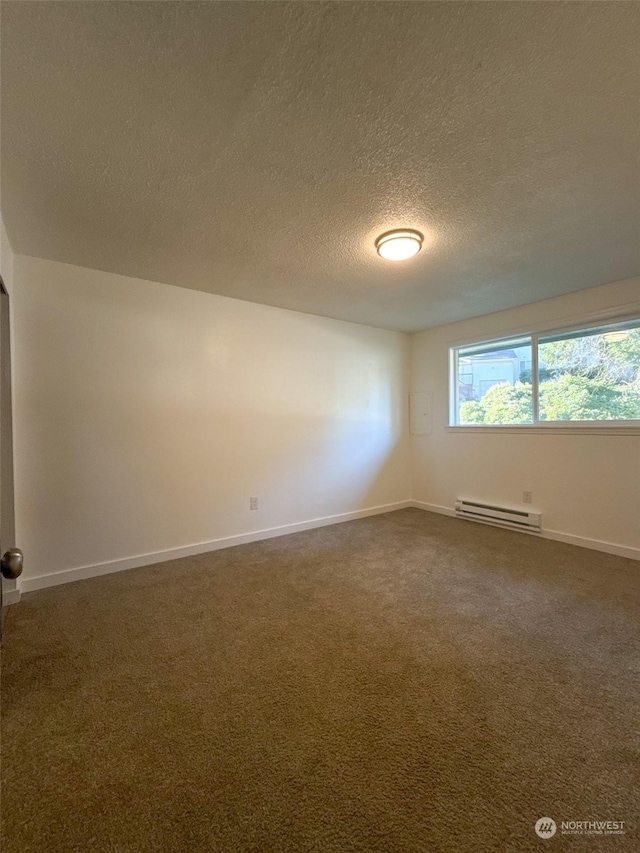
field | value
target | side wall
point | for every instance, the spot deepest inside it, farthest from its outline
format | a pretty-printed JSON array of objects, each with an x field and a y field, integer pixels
[
  {"x": 586, "y": 485},
  {"x": 6, "y": 259},
  {"x": 147, "y": 415}
]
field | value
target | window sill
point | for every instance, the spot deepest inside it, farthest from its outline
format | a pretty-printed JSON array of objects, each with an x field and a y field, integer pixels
[{"x": 581, "y": 428}]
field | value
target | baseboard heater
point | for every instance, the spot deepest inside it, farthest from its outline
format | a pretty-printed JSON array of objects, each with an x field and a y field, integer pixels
[{"x": 500, "y": 516}]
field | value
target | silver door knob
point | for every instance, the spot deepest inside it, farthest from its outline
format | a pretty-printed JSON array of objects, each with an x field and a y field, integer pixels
[{"x": 11, "y": 563}]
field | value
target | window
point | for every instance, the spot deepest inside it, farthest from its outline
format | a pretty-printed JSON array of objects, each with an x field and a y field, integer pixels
[
  {"x": 580, "y": 376},
  {"x": 489, "y": 385}
]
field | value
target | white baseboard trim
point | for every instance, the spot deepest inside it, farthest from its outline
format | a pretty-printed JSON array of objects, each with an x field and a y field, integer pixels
[
  {"x": 442, "y": 510},
  {"x": 10, "y": 596},
  {"x": 556, "y": 535},
  {"x": 85, "y": 572},
  {"x": 594, "y": 544}
]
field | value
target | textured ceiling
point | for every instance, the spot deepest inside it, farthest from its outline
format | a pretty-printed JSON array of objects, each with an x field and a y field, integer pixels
[{"x": 256, "y": 149}]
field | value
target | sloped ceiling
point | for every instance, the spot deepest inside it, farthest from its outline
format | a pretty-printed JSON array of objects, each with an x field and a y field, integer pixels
[{"x": 255, "y": 150}]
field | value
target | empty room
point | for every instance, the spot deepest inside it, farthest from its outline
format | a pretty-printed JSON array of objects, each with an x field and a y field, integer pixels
[{"x": 320, "y": 426}]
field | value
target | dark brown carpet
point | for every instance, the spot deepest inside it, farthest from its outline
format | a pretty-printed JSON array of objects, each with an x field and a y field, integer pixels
[{"x": 407, "y": 682}]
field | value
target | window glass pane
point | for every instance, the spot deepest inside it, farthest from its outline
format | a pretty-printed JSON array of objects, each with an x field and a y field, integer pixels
[
  {"x": 592, "y": 375},
  {"x": 494, "y": 383}
]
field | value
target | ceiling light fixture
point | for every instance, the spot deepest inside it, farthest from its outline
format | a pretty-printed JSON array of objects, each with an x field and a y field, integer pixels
[
  {"x": 616, "y": 336},
  {"x": 400, "y": 244}
]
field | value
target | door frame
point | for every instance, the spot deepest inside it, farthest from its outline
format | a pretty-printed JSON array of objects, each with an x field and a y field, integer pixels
[{"x": 10, "y": 588}]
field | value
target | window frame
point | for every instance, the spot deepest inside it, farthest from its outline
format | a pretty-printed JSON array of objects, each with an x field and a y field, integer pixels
[{"x": 587, "y": 324}]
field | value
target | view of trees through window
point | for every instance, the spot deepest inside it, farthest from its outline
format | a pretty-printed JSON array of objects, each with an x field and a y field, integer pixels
[{"x": 591, "y": 375}]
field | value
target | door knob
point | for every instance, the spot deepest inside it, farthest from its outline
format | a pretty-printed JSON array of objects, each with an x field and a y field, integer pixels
[{"x": 11, "y": 563}]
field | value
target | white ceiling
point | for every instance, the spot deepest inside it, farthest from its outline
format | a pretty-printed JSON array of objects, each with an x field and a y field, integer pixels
[{"x": 257, "y": 149}]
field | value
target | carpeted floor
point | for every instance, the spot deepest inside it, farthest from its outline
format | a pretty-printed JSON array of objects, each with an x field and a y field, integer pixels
[{"x": 406, "y": 682}]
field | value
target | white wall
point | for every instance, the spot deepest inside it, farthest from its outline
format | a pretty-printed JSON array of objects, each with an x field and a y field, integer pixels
[
  {"x": 587, "y": 486},
  {"x": 147, "y": 415}
]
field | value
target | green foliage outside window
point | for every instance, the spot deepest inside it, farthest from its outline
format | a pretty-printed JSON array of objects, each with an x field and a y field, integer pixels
[
  {"x": 502, "y": 404},
  {"x": 595, "y": 377}
]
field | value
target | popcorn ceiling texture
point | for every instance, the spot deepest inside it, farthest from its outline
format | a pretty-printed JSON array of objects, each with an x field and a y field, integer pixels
[{"x": 255, "y": 150}]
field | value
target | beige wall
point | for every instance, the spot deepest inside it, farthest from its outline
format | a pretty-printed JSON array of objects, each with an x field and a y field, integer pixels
[
  {"x": 587, "y": 486},
  {"x": 147, "y": 415}
]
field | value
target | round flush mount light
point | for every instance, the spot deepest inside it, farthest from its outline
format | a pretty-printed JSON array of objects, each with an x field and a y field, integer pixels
[
  {"x": 616, "y": 335},
  {"x": 400, "y": 244}
]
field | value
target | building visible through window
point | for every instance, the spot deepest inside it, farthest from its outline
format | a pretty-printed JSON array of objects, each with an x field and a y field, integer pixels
[{"x": 583, "y": 375}]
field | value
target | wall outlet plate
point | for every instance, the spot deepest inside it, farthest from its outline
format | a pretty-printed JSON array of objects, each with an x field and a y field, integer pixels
[{"x": 253, "y": 503}]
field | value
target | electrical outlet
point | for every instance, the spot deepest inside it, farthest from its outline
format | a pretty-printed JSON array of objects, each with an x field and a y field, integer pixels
[
  {"x": 527, "y": 497},
  {"x": 253, "y": 503}
]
